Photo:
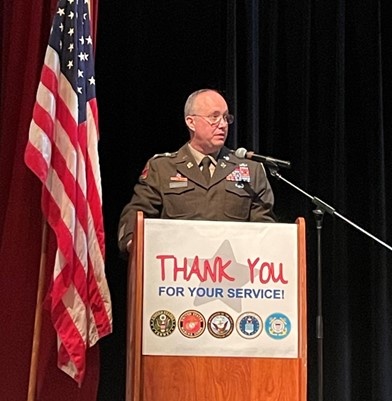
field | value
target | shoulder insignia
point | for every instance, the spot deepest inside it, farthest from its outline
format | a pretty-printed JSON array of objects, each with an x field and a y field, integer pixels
[
  {"x": 166, "y": 154},
  {"x": 146, "y": 168}
]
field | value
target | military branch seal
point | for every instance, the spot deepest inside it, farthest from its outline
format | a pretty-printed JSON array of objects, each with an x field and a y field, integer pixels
[
  {"x": 191, "y": 324},
  {"x": 162, "y": 323},
  {"x": 249, "y": 325},
  {"x": 220, "y": 324}
]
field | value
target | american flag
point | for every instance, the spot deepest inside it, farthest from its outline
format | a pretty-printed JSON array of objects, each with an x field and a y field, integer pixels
[{"x": 62, "y": 151}]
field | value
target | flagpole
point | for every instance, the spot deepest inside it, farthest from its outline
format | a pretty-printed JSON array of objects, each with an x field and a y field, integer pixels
[{"x": 38, "y": 316}]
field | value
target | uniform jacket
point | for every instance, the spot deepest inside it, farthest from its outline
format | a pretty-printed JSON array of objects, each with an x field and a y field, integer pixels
[{"x": 172, "y": 187}]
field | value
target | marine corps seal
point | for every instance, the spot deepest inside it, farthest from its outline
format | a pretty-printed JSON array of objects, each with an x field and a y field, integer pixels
[{"x": 191, "y": 324}]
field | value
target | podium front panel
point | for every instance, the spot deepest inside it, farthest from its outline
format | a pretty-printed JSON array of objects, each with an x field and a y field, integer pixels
[
  {"x": 217, "y": 311},
  {"x": 220, "y": 289}
]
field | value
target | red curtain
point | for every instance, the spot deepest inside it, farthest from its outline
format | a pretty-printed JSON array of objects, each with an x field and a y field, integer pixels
[{"x": 24, "y": 32}]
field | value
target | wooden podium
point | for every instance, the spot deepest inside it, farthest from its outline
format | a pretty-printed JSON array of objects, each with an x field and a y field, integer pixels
[{"x": 199, "y": 378}]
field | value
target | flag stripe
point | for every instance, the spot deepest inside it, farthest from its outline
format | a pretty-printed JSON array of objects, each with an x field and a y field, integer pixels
[
  {"x": 63, "y": 152},
  {"x": 33, "y": 155}
]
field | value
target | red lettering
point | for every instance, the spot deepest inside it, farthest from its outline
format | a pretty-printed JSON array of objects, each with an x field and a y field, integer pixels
[
  {"x": 221, "y": 267},
  {"x": 163, "y": 258},
  {"x": 252, "y": 269},
  {"x": 267, "y": 273},
  {"x": 215, "y": 271},
  {"x": 195, "y": 270}
]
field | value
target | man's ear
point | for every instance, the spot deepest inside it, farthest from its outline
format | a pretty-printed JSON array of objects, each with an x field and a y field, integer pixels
[{"x": 189, "y": 121}]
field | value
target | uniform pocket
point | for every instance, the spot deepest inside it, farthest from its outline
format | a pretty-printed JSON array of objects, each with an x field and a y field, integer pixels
[
  {"x": 238, "y": 200},
  {"x": 180, "y": 202}
]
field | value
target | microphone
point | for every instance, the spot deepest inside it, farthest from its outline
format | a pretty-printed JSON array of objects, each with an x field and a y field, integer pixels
[{"x": 242, "y": 153}]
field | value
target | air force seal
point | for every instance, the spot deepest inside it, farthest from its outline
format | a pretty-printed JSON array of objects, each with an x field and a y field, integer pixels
[{"x": 249, "y": 325}]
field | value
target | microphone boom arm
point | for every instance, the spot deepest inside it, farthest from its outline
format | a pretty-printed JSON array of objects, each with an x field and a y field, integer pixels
[{"x": 325, "y": 207}]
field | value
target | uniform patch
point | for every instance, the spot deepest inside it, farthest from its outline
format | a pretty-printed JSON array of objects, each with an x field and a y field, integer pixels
[
  {"x": 162, "y": 323},
  {"x": 191, "y": 324},
  {"x": 145, "y": 171},
  {"x": 166, "y": 154},
  {"x": 249, "y": 325},
  {"x": 180, "y": 184},
  {"x": 178, "y": 177},
  {"x": 240, "y": 173},
  {"x": 220, "y": 325},
  {"x": 278, "y": 326},
  {"x": 178, "y": 181}
]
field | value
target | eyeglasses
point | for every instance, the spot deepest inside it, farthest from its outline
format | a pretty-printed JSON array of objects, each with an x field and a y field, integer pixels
[{"x": 215, "y": 119}]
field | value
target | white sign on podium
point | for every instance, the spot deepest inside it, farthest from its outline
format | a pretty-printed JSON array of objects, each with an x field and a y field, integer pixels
[{"x": 220, "y": 289}]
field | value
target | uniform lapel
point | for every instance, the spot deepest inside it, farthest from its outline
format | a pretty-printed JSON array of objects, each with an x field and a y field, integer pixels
[
  {"x": 224, "y": 166},
  {"x": 187, "y": 167}
]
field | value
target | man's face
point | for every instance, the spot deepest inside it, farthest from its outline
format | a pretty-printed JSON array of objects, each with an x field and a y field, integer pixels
[{"x": 208, "y": 136}]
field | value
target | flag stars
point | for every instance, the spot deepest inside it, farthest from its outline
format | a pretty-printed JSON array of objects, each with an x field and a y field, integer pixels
[
  {"x": 76, "y": 47},
  {"x": 82, "y": 56}
]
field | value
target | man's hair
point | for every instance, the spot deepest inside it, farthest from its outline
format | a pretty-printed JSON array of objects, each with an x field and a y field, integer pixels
[{"x": 188, "y": 108}]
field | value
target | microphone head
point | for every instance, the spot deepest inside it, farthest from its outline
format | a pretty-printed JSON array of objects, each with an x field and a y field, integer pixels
[{"x": 241, "y": 153}]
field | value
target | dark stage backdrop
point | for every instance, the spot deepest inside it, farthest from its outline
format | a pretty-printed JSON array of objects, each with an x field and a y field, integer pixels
[{"x": 308, "y": 81}]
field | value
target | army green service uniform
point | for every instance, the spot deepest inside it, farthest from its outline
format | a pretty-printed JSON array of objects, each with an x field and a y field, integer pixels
[{"x": 172, "y": 187}]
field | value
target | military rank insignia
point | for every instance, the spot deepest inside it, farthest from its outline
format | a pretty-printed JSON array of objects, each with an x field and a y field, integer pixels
[{"x": 240, "y": 173}]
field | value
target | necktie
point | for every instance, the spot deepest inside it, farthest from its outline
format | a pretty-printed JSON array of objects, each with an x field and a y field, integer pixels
[{"x": 206, "y": 168}]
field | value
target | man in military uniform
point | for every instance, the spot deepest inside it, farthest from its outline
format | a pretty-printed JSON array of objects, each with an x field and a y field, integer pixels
[{"x": 204, "y": 180}]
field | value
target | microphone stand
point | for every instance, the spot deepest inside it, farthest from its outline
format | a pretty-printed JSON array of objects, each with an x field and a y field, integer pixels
[{"x": 321, "y": 208}]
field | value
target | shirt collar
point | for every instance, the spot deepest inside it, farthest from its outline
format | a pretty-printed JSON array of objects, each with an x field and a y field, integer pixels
[{"x": 199, "y": 156}]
